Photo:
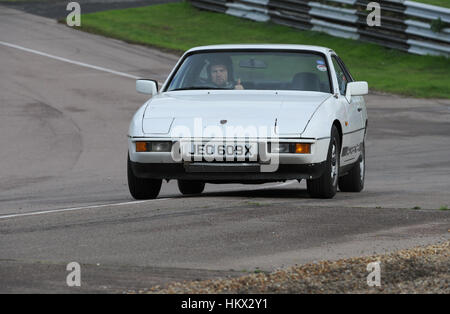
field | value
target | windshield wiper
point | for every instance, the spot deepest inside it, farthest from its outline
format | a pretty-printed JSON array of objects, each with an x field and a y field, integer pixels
[{"x": 196, "y": 88}]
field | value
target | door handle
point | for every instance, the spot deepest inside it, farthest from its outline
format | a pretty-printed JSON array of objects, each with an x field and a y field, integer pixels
[{"x": 359, "y": 109}]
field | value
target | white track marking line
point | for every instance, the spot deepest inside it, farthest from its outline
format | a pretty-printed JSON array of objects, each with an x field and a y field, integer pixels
[
  {"x": 78, "y": 208},
  {"x": 86, "y": 65},
  {"x": 131, "y": 203}
]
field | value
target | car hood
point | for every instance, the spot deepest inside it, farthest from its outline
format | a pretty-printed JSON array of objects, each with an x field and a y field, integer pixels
[{"x": 192, "y": 111}]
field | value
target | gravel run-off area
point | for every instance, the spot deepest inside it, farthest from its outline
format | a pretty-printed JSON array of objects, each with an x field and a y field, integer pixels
[{"x": 416, "y": 270}]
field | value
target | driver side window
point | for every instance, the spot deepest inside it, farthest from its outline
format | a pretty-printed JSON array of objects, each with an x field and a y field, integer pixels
[{"x": 341, "y": 76}]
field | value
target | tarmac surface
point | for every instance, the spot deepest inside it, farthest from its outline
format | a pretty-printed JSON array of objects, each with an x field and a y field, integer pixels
[
  {"x": 66, "y": 100},
  {"x": 57, "y": 9}
]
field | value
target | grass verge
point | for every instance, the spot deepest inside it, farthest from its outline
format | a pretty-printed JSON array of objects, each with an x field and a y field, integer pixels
[
  {"x": 176, "y": 27},
  {"x": 441, "y": 3}
]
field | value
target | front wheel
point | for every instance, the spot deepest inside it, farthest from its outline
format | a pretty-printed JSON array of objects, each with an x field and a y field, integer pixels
[
  {"x": 187, "y": 187},
  {"x": 326, "y": 185},
  {"x": 142, "y": 188}
]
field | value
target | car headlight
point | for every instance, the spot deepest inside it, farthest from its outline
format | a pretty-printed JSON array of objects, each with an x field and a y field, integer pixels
[
  {"x": 280, "y": 148},
  {"x": 290, "y": 148},
  {"x": 157, "y": 146}
]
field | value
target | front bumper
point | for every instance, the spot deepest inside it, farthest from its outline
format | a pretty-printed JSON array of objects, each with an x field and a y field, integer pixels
[
  {"x": 287, "y": 166},
  {"x": 221, "y": 172}
]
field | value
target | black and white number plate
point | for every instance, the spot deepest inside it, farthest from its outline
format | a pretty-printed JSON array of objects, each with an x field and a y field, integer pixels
[{"x": 222, "y": 151}]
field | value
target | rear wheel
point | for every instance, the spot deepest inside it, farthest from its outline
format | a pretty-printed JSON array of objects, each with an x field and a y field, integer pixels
[
  {"x": 142, "y": 188},
  {"x": 354, "y": 180},
  {"x": 187, "y": 187},
  {"x": 326, "y": 185}
]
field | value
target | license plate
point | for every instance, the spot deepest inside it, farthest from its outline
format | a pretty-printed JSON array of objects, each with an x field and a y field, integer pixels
[{"x": 240, "y": 151}]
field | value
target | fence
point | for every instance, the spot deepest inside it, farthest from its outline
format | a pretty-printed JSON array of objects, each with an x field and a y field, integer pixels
[{"x": 406, "y": 25}]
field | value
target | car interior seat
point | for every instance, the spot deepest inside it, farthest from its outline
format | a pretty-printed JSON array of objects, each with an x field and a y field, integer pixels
[{"x": 306, "y": 81}]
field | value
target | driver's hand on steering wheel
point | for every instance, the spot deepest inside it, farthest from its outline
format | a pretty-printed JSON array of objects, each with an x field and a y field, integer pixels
[{"x": 238, "y": 85}]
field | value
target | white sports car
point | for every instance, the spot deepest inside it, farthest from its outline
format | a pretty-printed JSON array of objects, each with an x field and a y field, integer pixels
[{"x": 250, "y": 114}]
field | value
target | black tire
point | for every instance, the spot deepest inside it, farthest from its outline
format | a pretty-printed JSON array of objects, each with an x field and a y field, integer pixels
[
  {"x": 142, "y": 188},
  {"x": 190, "y": 187},
  {"x": 354, "y": 180},
  {"x": 326, "y": 185}
]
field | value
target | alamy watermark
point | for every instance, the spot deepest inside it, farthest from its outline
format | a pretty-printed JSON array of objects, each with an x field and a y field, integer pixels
[
  {"x": 374, "y": 277},
  {"x": 73, "y": 279},
  {"x": 374, "y": 17},
  {"x": 74, "y": 17},
  {"x": 203, "y": 142}
]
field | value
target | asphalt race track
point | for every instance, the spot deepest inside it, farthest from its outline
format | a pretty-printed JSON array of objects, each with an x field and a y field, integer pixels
[{"x": 66, "y": 99}]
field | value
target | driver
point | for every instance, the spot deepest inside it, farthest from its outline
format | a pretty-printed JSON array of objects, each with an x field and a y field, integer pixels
[{"x": 218, "y": 73}]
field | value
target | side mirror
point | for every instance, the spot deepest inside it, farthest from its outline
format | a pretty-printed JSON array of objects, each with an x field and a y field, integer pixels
[
  {"x": 147, "y": 87},
  {"x": 356, "y": 89}
]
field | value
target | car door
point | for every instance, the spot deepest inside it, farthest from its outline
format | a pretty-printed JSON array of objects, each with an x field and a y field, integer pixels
[{"x": 353, "y": 129}]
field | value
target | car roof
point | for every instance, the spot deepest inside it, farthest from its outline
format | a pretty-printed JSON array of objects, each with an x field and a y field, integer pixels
[{"x": 324, "y": 50}]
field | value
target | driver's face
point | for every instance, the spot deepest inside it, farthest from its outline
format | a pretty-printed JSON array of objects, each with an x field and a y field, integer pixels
[{"x": 219, "y": 75}]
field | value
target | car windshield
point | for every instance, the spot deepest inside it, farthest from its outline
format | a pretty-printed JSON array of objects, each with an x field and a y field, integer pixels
[{"x": 253, "y": 70}]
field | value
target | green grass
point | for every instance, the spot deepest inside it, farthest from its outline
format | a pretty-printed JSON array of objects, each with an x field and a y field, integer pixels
[
  {"x": 176, "y": 27},
  {"x": 442, "y": 3}
]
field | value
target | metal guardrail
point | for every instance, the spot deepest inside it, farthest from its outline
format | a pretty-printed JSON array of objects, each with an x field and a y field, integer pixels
[
  {"x": 211, "y": 5},
  {"x": 427, "y": 11},
  {"x": 255, "y": 10},
  {"x": 406, "y": 25}
]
